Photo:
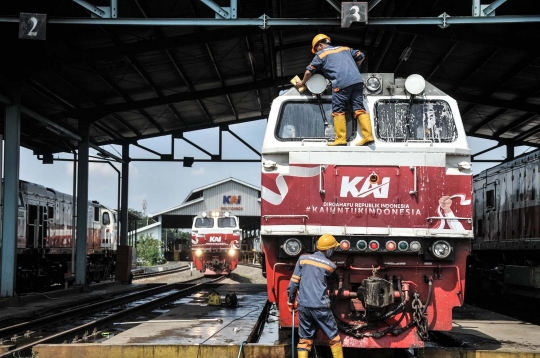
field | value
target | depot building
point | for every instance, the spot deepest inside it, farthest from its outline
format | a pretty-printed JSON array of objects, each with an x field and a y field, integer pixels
[{"x": 229, "y": 195}]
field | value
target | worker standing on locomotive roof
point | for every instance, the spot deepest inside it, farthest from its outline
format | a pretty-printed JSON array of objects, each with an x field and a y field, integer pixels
[
  {"x": 340, "y": 65},
  {"x": 309, "y": 278}
]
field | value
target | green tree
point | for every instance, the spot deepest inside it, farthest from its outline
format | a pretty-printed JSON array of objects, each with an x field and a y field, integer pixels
[{"x": 148, "y": 248}]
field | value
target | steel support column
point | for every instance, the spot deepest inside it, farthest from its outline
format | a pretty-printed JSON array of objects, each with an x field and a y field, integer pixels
[
  {"x": 82, "y": 205},
  {"x": 124, "y": 227},
  {"x": 12, "y": 132}
]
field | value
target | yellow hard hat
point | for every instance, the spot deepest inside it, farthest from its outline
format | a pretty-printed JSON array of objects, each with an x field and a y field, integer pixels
[
  {"x": 316, "y": 40},
  {"x": 326, "y": 242}
]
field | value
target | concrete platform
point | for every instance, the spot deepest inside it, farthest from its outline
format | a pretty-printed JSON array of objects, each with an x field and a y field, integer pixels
[
  {"x": 183, "y": 331},
  {"x": 483, "y": 333}
]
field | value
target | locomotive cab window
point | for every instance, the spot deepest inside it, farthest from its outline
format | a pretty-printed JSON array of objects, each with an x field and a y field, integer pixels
[
  {"x": 402, "y": 121},
  {"x": 50, "y": 212},
  {"x": 96, "y": 213},
  {"x": 106, "y": 219},
  {"x": 226, "y": 222},
  {"x": 204, "y": 222},
  {"x": 304, "y": 120}
]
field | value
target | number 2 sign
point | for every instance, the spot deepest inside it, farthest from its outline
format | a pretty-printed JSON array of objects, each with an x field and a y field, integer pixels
[{"x": 32, "y": 26}]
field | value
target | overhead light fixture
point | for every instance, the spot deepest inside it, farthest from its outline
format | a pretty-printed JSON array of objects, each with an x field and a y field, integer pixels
[
  {"x": 188, "y": 162},
  {"x": 406, "y": 54}
]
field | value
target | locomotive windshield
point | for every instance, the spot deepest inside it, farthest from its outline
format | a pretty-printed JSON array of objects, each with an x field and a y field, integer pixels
[
  {"x": 226, "y": 222},
  {"x": 427, "y": 120},
  {"x": 204, "y": 222},
  {"x": 302, "y": 120}
]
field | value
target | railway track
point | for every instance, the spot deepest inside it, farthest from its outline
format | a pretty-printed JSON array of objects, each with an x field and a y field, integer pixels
[
  {"x": 86, "y": 323},
  {"x": 160, "y": 273}
]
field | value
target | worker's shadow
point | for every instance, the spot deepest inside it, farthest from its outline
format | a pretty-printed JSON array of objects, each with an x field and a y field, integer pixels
[{"x": 239, "y": 278}]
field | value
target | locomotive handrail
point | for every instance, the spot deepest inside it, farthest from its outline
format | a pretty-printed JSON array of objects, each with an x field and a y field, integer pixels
[
  {"x": 314, "y": 140},
  {"x": 419, "y": 141},
  {"x": 431, "y": 218},
  {"x": 321, "y": 189},
  {"x": 303, "y": 217},
  {"x": 415, "y": 190}
]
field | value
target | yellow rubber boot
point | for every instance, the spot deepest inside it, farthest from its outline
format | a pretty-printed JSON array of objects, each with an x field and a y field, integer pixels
[
  {"x": 340, "y": 126},
  {"x": 365, "y": 127},
  {"x": 303, "y": 354},
  {"x": 337, "y": 351}
]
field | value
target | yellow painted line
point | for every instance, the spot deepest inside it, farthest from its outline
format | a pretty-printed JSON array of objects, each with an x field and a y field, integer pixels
[
  {"x": 96, "y": 350},
  {"x": 471, "y": 353}
]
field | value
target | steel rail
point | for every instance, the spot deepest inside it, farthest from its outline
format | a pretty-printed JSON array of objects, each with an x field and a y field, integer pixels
[
  {"x": 160, "y": 273},
  {"x": 110, "y": 319}
]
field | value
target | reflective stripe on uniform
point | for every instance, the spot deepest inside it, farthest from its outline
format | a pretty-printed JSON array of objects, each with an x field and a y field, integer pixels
[
  {"x": 336, "y": 50},
  {"x": 318, "y": 264}
]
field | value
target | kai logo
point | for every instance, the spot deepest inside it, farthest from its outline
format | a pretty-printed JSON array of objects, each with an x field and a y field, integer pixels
[
  {"x": 232, "y": 199},
  {"x": 350, "y": 187},
  {"x": 214, "y": 239}
]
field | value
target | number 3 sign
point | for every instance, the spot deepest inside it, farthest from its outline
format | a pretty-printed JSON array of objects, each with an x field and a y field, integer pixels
[
  {"x": 32, "y": 26},
  {"x": 353, "y": 12}
]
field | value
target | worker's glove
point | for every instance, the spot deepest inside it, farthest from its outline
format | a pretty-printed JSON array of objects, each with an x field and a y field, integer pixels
[{"x": 292, "y": 306}]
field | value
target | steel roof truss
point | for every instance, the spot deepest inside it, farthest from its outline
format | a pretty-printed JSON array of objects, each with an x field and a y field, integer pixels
[{"x": 222, "y": 12}]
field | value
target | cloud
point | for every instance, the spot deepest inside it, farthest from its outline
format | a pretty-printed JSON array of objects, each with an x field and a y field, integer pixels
[{"x": 197, "y": 172}]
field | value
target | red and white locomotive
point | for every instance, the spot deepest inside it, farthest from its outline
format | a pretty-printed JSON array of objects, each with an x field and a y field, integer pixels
[
  {"x": 215, "y": 242},
  {"x": 45, "y": 245},
  {"x": 400, "y": 208}
]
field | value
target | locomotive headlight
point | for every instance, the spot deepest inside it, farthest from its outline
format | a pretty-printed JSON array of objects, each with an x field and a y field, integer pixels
[
  {"x": 227, "y": 214},
  {"x": 292, "y": 247},
  {"x": 204, "y": 214},
  {"x": 373, "y": 84},
  {"x": 232, "y": 252},
  {"x": 415, "y": 84},
  {"x": 441, "y": 249},
  {"x": 198, "y": 252},
  {"x": 464, "y": 166}
]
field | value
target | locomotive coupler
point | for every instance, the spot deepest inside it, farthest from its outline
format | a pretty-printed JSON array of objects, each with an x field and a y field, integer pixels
[{"x": 376, "y": 292}]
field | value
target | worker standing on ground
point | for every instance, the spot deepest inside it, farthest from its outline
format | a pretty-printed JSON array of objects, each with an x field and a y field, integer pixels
[
  {"x": 309, "y": 278},
  {"x": 341, "y": 66}
]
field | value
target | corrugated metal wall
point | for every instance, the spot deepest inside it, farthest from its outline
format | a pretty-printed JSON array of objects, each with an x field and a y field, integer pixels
[{"x": 237, "y": 198}]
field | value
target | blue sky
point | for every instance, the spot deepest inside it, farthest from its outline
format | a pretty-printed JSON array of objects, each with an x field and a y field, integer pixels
[{"x": 165, "y": 184}]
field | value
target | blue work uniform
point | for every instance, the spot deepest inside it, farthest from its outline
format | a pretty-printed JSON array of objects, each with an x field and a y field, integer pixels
[
  {"x": 338, "y": 65},
  {"x": 309, "y": 278}
]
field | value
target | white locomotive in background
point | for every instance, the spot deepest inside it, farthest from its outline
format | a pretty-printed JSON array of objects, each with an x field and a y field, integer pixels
[{"x": 45, "y": 245}]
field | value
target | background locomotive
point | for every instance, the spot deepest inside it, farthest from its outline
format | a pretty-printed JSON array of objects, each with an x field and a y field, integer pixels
[
  {"x": 45, "y": 245},
  {"x": 215, "y": 242},
  {"x": 506, "y": 246},
  {"x": 400, "y": 208}
]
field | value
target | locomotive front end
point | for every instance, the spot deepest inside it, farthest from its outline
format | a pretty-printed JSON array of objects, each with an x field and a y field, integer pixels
[
  {"x": 399, "y": 208},
  {"x": 215, "y": 242}
]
